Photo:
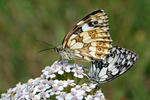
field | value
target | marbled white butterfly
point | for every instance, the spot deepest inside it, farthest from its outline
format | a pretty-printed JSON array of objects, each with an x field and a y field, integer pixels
[{"x": 90, "y": 41}]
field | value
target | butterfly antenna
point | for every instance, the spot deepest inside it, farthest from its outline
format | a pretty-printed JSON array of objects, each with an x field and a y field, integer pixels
[
  {"x": 46, "y": 49},
  {"x": 46, "y": 43}
]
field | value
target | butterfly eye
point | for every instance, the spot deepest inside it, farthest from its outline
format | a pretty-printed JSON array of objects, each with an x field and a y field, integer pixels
[{"x": 57, "y": 50}]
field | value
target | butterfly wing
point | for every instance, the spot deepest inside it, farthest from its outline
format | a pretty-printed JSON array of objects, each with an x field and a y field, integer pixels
[
  {"x": 115, "y": 64},
  {"x": 90, "y": 38}
]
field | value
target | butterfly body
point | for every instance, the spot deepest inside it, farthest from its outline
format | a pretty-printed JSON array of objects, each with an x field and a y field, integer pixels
[{"x": 67, "y": 54}]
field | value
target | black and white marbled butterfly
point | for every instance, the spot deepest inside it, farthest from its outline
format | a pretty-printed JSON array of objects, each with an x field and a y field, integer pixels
[
  {"x": 90, "y": 41},
  {"x": 114, "y": 64}
]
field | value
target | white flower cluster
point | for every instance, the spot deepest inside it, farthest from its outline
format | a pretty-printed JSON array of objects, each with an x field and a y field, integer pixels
[
  {"x": 47, "y": 86},
  {"x": 60, "y": 68}
]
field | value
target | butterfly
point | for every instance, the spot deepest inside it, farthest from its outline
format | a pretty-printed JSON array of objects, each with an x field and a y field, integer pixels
[
  {"x": 119, "y": 61},
  {"x": 89, "y": 40}
]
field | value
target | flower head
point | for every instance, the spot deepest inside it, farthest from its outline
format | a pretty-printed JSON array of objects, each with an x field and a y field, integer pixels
[{"x": 50, "y": 85}]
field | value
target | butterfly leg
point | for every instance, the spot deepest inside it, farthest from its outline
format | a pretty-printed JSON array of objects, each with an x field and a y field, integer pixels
[
  {"x": 62, "y": 60},
  {"x": 84, "y": 68}
]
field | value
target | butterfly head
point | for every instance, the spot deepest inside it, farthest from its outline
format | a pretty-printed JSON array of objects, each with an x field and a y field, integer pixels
[
  {"x": 64, "y": 53},
  {"x": 58, "y": 49}
]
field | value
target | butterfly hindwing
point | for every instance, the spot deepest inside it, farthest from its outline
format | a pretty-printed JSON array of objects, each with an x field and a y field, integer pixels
[
  {"x": 115, "y": 64},
  {"x": 90, "y": 38}
]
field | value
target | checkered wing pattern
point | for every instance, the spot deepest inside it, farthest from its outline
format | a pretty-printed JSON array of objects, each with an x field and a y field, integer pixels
[
  {"x": 89, "y": 39},
  {"x": 115, "y": 64}
]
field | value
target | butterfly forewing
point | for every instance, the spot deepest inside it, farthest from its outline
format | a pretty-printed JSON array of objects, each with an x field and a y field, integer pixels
[
  {"x": 90, "y": 39},
  {"x": 115, "y": 64}
]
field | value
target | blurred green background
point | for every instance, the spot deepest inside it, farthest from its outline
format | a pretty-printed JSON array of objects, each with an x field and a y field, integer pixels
[{"x": 23, "y": 23}]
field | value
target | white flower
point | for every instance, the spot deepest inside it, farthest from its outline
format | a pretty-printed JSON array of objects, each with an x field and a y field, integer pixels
[
  {"x": 93, "y": 86},
  {"x": 49, "y": 72},
  {"x": 78, "y": 71},
  {"x": 61, "y": 96},
  {"x": 45, "y": 94},
  {"x": 36, "y": 97},
  {"x": 89, "y": 97},
  {"x": 60, "y": 72},
  {"x": 62, "y": 83},
  {"x": 67, "y": 68},
  {"x": 71, "y": 82},
  {"x": 86, "y": 87},
  {"x": 99, "y": 95},
  {"x": 64, "y": 68},
  {"x": 58, "y": 69},
  {"x": 78, "y": 92},
  {"x": 69, "y": 96},
  {"x": 55, "y": 90}
]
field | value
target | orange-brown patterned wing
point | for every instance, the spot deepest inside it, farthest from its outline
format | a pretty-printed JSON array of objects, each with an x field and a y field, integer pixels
[{"x": 90, "y": 39}]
